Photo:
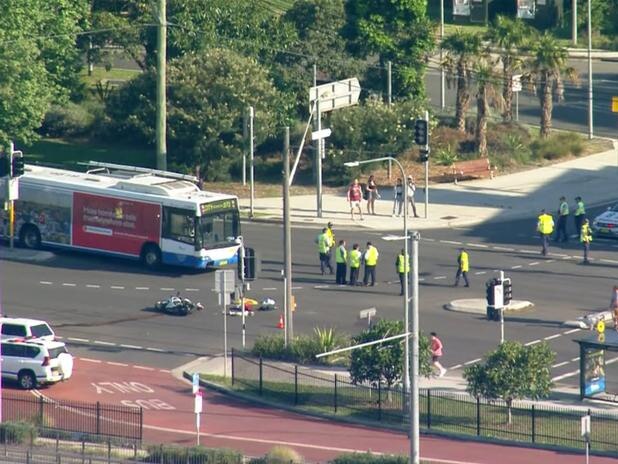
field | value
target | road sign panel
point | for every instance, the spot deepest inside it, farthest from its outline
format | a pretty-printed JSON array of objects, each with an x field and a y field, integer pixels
[
  {"x": 198, "y": 403},
  {"x": 335, "y": 95},
  {"x": 225, "y": 278},
  {"x": 517, "y": 83},
  {"x": 321, "y": 134},
  {"x": 195, "y": 382}
]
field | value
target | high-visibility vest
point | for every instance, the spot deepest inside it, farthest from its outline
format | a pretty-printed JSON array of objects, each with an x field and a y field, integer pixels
[
  {"x": 564, "y": 209},
  {"x": 341, "y": 255},
  {"x": 464, "y": 262},
  {"x": 586, "y": 234},
  {"x": 323, "y": 243},
  {"x": 403, "y": 265},
  {"x": 355, "y": 259},
  {"x": 331, "y": 236},
  {"x": 580, "y": 208},
  {"x": 545, "y": 224},
  {"x": 371, "y": 256}
]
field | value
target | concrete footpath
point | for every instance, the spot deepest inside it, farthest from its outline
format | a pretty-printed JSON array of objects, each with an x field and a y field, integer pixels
[{"x": 512, "y": 196}]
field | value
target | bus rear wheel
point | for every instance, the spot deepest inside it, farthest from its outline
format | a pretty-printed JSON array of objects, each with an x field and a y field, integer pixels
[
  {"x": 30, "y": 237},
  {"x": 151, "y": 256}
]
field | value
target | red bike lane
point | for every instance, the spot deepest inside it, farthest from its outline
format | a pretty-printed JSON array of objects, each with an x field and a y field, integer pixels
[{"x": 167, "y": 403}]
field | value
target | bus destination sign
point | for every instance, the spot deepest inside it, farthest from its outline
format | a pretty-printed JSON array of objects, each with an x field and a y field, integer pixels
[{"x": 218, "y": 206}]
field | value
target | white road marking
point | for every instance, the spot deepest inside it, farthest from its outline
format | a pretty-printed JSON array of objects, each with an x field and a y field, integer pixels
[
  {"x": 517, "y": 267},
  {"x": 165, "y": 371},
  {"x": 269, "y": 288},
  {"x": 321, "y": 286},
  {"x": 69, "y": 285},
  {"x": 550, "y": 261},
  {"x": 503, "y": 248},
  {"x": 99, "y": 342},
  {"x": 576, "y": 372},
  {"x": 92, "y": 286},
  {"x": 428, "y": 239},
  {"x": 560, "y": 364},
  {"x": 478, "y": 245},
  {"x": 566, "y": 257},
  {"x": 551, "y": 337},
  {"x": 571, "y": 331},
  {"x": 421, "y": 279},
  {"x": 96, "y": 361},
  {"x": 456, "y": 366},
  {"x": 117, "y": 287},
  {"x": 612, "y": 261},
  {"x": 112, "y": 363},
  {"x": 166, "y": 289},
  {"x": 192, "y": 289},
  {"x": 297, "y": 288},
  {"x": 533, "y": 342},
  {"x": 133, "y": 347},
  {"x": 158, "y": 350},
  {"x": 560, "y": 255},
  {"x": 439, "y": 277},
  {"x": 467, "y": 363},
  {"x": 534, "y": 263},
  {"x": 142, "y": 288},
  {"x": 75, "y": 339},
  {"x": 575, "y": 359},
  {"x": 528, "y": 251},
  {"x": 480, "y": 273},
  {"x": 45, "y": 282},
  {"x": 450, "y": 242},
  {"x": 144, "y": 368}
]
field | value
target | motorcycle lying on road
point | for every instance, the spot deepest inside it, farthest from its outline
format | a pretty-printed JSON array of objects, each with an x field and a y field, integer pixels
[{"x": 178, "y": 306}]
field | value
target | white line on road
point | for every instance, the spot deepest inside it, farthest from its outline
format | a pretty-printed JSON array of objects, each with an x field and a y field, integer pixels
[
  {"x": 517, "y": 267},
  {"x": 450, "y": 242},
  {"x": 144, "y": 368},
  {"x": 112, "y": 363},
  {"x": 571, "y": 331},
  {"x": 533, "y": 342},
  {"x": 576, "y": 372},
  {"x": 142, "y": 288},
  {"x": 551, "y": 337},
  {"x": 575, "y": 359},
  {"x": 75, "y": 339},
  {"x": 69, "y": 285},
  {"x": 439, "y": 277},
  {"x": 158, "y": 350},
  {"x": 478, "y": 245},
  {"x": 133, "y": 347},
  {"x": 528, "y": 251},
  {"x": 265, "y": 289},
  {"x": 534, "y": 263},
  {"x": 192, "y": 289},
  {"x": 612, "y": 261},
  {"x": 429, "y": 239},
  {"x": 560, "y": 364},
  {"x": 99, "y": 342},
  {"x": 92, "y": 286},
  {"x": 560, "y": 255},
  {"x": 45, "y": 282},
  {"x": 421, "y": 279},
  {"x": 456, "y": 366},
  {"x": 503, "y": 248},
  {"x": 480, "y": 273},
  {"x": 96, "y": 361},
  {"x": 116, "y": 287},
  {"x": 166, "y": 289},
  {"x": 321, "y": 286},
  {"x": 566, "y": 257},
  {"x": 550, "y": 261},
  {"x": 165, "y": 371},
  {"x": 297, "y": 288},
  {"x": 467, "y": 363}
]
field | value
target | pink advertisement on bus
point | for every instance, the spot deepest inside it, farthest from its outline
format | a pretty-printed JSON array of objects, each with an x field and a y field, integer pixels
[{"x": 114, "y": 224}]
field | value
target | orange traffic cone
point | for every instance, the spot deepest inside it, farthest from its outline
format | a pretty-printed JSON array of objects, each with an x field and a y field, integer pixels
[{"x": 280, "y": 324}]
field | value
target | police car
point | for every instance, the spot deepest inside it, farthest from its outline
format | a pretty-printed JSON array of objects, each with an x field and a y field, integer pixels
[{"x": 607, "y": 223}]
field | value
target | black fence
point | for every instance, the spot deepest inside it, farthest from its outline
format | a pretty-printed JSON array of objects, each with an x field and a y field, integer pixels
[
  {"x": 443, "y": 411},
  {"x": 93, "y": 419}
]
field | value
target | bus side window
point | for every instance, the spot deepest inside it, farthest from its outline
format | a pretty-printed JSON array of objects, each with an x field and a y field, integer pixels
[{"x": 178, "y": 225}]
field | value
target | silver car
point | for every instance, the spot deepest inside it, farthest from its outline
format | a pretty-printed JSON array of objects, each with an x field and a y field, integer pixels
[{"x": 607, "y": 223}]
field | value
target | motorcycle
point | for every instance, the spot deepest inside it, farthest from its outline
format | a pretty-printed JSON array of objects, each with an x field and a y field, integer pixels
[{"x": 178, "y": 306}]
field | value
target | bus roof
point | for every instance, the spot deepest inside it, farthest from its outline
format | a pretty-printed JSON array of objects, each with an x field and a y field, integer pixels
[{"x": 127, "y": 184}]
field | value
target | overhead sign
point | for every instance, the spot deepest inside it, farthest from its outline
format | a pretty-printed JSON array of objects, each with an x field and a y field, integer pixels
[
  {"x": 321, "y": 134},
  {"x": 335, "y": 95},
  {"x": 517, "y": 83},
  {"x": 614, "y": 104}
]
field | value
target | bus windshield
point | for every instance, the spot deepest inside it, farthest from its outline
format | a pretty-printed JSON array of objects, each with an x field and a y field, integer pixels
[{"x": 217, "y": 229}]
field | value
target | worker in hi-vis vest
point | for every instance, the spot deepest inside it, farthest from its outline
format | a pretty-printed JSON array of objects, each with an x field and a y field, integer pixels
[
  {"x": 341, "y": 259},
  {"x": 545, "y": 227},
  {"x": 371, "y": 261},
  {"x": 354, "y": 260},
  {"x": 402, "y": 264}
]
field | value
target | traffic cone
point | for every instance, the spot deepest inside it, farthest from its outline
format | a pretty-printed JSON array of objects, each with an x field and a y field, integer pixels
[{"x": 280, "y": 324}]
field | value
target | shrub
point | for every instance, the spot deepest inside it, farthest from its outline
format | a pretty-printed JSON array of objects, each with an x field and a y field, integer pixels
[
  {"x": 283, "y": 455},
  {"x": 558, "y": 146},
  {"x": 172, "y": 454},
  {"x": 272, "y": 347},
  {"x": 445, "y": 156},
  {"x": 70, "y": 120},
  {"x": 368, "y": 458},
  {"x": 17, "y": 432}
]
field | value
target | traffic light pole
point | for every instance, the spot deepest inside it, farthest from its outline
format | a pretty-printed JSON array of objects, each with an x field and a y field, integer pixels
[
  {"x": 427, "y": 169},
  {"x": 502, "y": 312},
  {"x": 11, "y": 201}
]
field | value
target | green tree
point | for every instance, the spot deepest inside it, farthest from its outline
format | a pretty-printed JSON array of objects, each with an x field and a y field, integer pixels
[
  {"x": 487, "y": 95},
  {"x": 512, "y": 372},
  {"x": 462, "y": 50},
  {"x": 510, "y": 37},
  {"x": 547, "y": 68},
  {"x": 208, "y": 93},
  {"x": 395, "y": 30}
]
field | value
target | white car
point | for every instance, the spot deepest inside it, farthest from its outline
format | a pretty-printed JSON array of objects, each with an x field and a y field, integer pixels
[
  {"x": 21, "y": 327},
  {"x": 35, "y": 362},
  {"x": 607, "y": 223}
]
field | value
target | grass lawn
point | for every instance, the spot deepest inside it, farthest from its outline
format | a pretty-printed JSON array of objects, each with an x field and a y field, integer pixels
[{"x": 101, "y": 74}]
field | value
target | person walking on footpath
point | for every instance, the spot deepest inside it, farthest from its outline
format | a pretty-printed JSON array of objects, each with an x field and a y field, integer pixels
[
  {"x": 372, "y": 195},
  {"x": 355, "y": 262},
  {"x": 370, "y": 258},
  {"x": 436, "y": 353},
  {"x": 355, "y": 194},
  {"x": 545, "y": 227},
  {"x": 463, "y": 266},
  {"x": 324, "y": 246},
  {"x": 341, "y": 257},
  {"x": 402, "y": 264},
  {"x": 579, "y": 214},
  {"x": 410, "y": 189},
  {"x": 398, "y": 197},
  {"x": 563, "y": 216},
  {"x": 585, "y": 237}
]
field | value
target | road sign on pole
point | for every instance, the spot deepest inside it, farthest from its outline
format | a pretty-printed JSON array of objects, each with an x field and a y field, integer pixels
[
  {"x": 517, "y": 87},
  {"x": 322, "y": 134},
  {"x": 195, "y": 384},
  {"x": 335, "y": 95}
]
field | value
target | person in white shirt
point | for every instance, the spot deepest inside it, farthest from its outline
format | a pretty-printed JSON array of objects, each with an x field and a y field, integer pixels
[{"x": 410, "y": 194}]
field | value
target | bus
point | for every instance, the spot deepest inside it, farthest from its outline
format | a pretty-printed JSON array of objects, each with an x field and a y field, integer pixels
[{"x": 157, "y": 216}]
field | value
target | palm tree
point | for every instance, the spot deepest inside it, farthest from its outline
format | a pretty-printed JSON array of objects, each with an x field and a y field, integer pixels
[
  {"x": 462, "y": 48},
  {"x": 546, "y": 69},
  {"x": 487, "y": 95},
  {"x": 510, "y": 37}
]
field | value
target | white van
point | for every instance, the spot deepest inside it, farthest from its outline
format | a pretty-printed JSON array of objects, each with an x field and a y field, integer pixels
[{"x": 20, "y": 327}]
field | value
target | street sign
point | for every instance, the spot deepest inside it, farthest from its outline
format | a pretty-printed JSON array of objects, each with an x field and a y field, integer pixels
[
  {"x": 322, "y": 134},
  {"x": 13, "y": 186},
  {"x": 517, "y": 83},
  {"x": 195, "y": 383},
  {"x": 198, "y": 403},
  {"x": 585, "y": 426},
  {"x": 225, "y": 280},
  {"x": 335, "y": 95},
  {"x": 367, "y": 314},
  {"x": 614, "y": 104}
]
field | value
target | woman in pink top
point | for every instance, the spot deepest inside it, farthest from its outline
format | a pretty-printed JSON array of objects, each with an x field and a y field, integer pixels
[
  {"x": 436, "y": 353},
  {"x": 355, "y": 194}
]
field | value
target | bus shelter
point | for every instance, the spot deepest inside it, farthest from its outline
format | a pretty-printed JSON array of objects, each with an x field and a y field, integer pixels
[{"x": 597, "y": 378}]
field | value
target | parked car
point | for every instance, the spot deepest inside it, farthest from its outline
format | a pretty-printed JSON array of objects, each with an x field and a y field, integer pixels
[
  {"x": 607, "y": 222},
  {"x": 14, "y": 327},
  {"x": 35, "y": 362}
]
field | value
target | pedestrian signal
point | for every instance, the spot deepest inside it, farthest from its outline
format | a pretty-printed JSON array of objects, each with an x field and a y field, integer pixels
[
  {"x": 18, "y": 166},
  {"x": 424, "y": 155},
  {"x": 507, "y": 291},
  {"x": 491, "y": 299},
  {"x": 248, "y": 265},
  {"x": 421, "y": 136}
]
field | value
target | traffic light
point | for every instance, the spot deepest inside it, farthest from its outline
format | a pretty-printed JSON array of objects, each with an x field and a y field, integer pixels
[
  {"x": 250, "y": 265},
  {"x": 18, "y": 166},
  {"x": 424, "y": 155},
  {"x": 508, "y": 291},
  {"x": 5, "y": 166},
  {"x": 421, "y": 136},
  {"x": 491, "y": 298}
]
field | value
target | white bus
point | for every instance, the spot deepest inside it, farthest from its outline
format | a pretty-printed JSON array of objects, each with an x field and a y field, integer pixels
[{"x": 156, "y": 216}]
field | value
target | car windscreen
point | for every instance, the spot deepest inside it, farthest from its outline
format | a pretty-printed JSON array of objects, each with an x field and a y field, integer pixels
[
  {"x": 55, "y": 352},
  {"x": 41, "y": 330}
]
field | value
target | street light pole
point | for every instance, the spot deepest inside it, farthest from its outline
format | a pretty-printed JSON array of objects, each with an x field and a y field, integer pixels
[
  {"x": 590, "y": 106},
  {"x": 414, "y": 401},
  {"x": 442, "y": 91}
]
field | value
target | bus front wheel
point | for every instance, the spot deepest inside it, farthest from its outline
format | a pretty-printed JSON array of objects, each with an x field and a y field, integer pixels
[
  {"x": 30, "y": 237},
  {"x": 151, "y": 256}
]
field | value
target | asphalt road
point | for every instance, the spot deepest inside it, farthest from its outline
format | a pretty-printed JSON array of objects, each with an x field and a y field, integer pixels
[{"x": 103, "y": 306}]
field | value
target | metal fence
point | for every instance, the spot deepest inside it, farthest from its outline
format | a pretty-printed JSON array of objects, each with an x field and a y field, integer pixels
[
  {"x": 93, "y": 419},
  {"x": 443, "y": 411}
]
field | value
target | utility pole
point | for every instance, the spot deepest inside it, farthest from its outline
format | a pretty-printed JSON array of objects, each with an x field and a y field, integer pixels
[
  {"x": 287, "y": 239},
  {"x": 442, "y": 77},
  {"x": 590, "y": 100},
  {"x": 427, "y": 169},
  {"x": 574, "y": 22},
  {"x": 251, "y": 162},
  {"x": 389, "y": 92},
  {"x": 414, "y": 381},
  {"x": 161, "y": 81},
  {"x": 245, "y": 149}
]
